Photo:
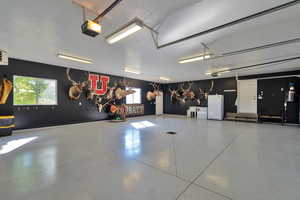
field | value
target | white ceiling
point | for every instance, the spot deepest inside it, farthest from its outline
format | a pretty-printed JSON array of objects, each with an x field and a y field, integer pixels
[{"x": 38, "y": 30}]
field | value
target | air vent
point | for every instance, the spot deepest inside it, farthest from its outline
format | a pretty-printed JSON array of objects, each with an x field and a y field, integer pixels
[
  {"x": 171, "y": 133},
  {"x": 3, "y": 58}
]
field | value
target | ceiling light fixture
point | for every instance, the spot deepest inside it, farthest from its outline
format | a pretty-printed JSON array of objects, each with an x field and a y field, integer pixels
[
  {"x": 223, "y": 72},
  {"x": 130, "y": 28},
  {"x": 164, "y": 78},
  {"x": 218, "y": 72},
  {"x": 194, "y": 58},
  {"x": 73, "y": 58},
  {"x": 132, "y": 70}
]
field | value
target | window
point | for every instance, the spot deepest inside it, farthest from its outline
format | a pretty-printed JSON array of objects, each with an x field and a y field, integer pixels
[
  {"x": 134, "y": 98},
  {"x": 34, "y": 91}
]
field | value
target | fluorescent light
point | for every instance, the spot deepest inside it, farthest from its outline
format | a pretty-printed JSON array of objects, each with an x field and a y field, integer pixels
[
  {"x": 223, "y": 72},
  {"x": 131, "y": 70},
  {"x": 164, "y": 78},
  {"x": 219, "y": 71},
  {"x": 73, "y": 58},
  {"x": 194, "y": 59},
  {"x": 130, "y": 28}
]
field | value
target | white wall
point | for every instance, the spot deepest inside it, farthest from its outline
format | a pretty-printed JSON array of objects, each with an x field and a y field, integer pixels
[
  {"x": 247, "y": 96},
  {"x": 159, "y": 102}
]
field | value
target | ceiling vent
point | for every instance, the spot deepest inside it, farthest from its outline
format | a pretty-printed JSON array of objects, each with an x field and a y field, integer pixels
[{"x": 3, "y": 58}]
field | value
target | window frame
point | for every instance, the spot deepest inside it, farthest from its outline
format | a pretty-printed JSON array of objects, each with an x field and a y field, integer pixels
[
  {"x": 133, "y": 88},
  {"x": 56, "y": 91}
]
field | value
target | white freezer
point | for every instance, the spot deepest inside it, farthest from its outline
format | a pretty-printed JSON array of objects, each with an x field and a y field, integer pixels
[{"x": 216, "y": 107}]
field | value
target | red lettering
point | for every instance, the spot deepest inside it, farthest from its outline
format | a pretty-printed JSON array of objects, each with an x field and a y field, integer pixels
[{"x": 94, "y": 78}]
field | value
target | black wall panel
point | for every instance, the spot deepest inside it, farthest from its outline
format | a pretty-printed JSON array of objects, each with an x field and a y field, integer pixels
[
  {"x": 219, "y": 86},
  {"x": 67, "y": 111},
  {"x": 274, "y": 91},
  {"x": 273, "y": 99}
]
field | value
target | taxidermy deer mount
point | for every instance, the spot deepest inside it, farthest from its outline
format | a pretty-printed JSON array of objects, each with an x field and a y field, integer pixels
[
  {"x": 174, "y": 94},
  {"x": 152, "y": 95},
  {"x": 121, "y": 93},
  {"x": 5, "y": 89},
  {"x": 113, "y": 93},
  {"x": 187, "y": 93},
  {"x": 205, "y": 94},
  {"x": 76, "y": 89}
]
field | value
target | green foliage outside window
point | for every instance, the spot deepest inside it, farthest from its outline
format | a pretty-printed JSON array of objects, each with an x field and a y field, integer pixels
[{"x": 34, "y": 91}]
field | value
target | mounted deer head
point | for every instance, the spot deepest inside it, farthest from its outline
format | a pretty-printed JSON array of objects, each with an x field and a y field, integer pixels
[
  {"x": 152, "y": 95},
  {"x": 90, "y": 95},
  {"x": 110, "y": 92},
  {"x": 122, "y": 93},
  {"x": 174, "y": 94},
  {"x": 100, "y": 105},
  {"x": 6, "y": 87},
  {"x": 76, "y": 89},
  {"x": 205, "y": 94},
  {"x": 188, "y": 93}
]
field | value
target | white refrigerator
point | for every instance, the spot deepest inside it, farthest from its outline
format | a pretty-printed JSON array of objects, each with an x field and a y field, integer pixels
[{"x": 215, "y": 107}]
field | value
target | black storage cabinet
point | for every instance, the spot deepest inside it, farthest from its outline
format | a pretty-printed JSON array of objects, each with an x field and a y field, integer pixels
[{"x": 6, "y": 125}]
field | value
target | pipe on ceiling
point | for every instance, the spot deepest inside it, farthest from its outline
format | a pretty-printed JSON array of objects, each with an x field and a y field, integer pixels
[
  {"x": 257, "y": 48},
  {"x": 107, "y": 10},
  {"x": 261, "y": 64},
  {"x": 232, "y": 23}
]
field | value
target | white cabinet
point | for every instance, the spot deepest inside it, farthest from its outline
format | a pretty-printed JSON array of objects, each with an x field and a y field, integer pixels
[
  {"x": 216, "y": 107},
  {"x": 202, "y": 113},
  {"x": 197, "y": 112}
]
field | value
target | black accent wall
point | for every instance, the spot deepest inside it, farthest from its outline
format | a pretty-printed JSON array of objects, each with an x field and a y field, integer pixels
[
  {"x": 219, "y": 86},
  {"x": 274, "y": 91},
  {"x": 272, "y": 104},
  {"x": 67, "y": 111}
]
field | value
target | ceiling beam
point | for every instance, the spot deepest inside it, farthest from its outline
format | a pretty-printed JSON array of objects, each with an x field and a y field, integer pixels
[
  {"x": 107, "y": 10},
  {"x": 261, "y": 64},
  {"x": 257, "y": 48},
  {"x": 232, "y": 23}
]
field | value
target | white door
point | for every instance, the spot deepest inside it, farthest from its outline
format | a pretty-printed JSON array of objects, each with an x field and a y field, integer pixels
[
  {"x": 247, "y": 96},
  {"x": 159, "y": 102}
]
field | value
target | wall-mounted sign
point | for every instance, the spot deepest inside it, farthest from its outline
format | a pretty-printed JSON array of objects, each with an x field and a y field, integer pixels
[
  {"x": 135, "y": 109},
  {"x": 94, "y": 79}
]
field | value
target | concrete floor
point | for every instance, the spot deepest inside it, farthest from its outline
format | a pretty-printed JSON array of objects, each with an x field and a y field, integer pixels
[{"x": 209, "y": 160}]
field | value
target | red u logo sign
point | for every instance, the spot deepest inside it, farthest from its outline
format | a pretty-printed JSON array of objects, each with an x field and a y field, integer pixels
[{"x": 94, "y": 78}]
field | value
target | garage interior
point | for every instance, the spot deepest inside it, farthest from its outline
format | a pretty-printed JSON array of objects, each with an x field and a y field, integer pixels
[{"x": 138, "y": 100}]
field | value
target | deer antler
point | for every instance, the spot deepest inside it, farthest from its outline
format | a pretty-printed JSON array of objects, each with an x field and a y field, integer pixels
[
  {"x": 155, "y": 86},
  {"x": 181, "y": 87},
  {"x": 85, "y": 83},
  {"x": 69, "y": 78},
  {"x": 201, "y": 91},
  {"x": 190, "y": 86},
  {"x": 212, "y": 86}
]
